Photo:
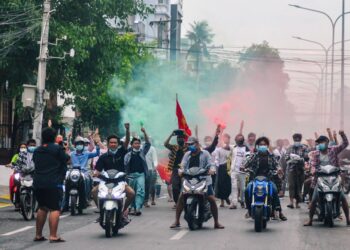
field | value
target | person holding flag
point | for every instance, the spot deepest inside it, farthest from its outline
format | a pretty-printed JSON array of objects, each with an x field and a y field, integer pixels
[{"x": 178, "y": 150}]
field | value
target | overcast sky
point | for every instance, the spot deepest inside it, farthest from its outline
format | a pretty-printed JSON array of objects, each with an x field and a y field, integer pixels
[
  {"x": 243, "y": 22},
  {"x": 239, "y": 23}
]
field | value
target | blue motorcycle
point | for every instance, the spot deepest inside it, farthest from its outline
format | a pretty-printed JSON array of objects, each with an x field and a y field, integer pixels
[{"x": 260, "y": 194}]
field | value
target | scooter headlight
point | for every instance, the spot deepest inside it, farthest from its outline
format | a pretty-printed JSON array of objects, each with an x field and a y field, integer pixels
[
  {"x": 323, "y": 187},
  {"x": 200, "y": 186},
  {"x": 187, "y": 186},
  {"x": 74, "y": 176},
  {"x": 102, "y": 191},
  {"x": 17, "y": 175}
]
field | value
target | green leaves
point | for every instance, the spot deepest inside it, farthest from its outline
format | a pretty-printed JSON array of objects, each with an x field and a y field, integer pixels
[{"x": 103, "y": 51}]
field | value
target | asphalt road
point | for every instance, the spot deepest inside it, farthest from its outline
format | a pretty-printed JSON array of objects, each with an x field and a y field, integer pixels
[{"x": 151, "y": 231}]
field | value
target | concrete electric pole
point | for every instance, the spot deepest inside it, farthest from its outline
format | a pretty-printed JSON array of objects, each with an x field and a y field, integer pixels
[
  {"x": 342, "y": 89},
  {"x": 43, "y": 57}
]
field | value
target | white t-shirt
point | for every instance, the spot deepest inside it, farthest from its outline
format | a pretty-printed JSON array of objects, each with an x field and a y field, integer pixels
[{"x": 239, "y": 154}]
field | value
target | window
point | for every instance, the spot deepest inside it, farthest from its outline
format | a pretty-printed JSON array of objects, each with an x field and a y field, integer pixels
[{"x": 163, "y": 1}]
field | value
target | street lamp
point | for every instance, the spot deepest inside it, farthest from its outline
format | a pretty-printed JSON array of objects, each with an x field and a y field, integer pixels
[
  {"x": 333, "y": 23},
  {"x": 326, "y": 50}
]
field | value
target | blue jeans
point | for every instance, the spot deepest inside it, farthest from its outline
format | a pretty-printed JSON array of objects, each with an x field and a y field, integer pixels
[
  {"x": 137, "y": 182},
  {"x": 150, "y": 184}
]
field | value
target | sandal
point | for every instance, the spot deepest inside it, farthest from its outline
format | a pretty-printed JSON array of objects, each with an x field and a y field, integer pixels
[
  {"x": 219, "y": 226},
  {"x": 58, "y": 240},
  {"x": 42, "y": 238},
  {"x": 282, "y": 217},
  {"x": 175, "y": 225}
]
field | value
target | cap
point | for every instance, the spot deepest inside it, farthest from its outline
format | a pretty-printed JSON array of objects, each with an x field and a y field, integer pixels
[
  {"x": 79, "y": 139},
  {"x": 86, "y": 140},
  {"x": 322, "y": 138},
  {"x": 192, "y": 140}
]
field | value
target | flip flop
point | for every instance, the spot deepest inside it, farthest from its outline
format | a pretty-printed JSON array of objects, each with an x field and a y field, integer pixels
[
  {"x": 58, "y": 240},
  {"x": 219, "y": 227},
  {"x": 173, "y": 226},
  {"x": 42, "y": 238}
]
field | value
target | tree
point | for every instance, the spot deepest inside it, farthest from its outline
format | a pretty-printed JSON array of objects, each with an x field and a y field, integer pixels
[
  {"x": 200, "y": 35},
  {"x": 262, "y": 75},
  {"x": 97, "y": 32}
]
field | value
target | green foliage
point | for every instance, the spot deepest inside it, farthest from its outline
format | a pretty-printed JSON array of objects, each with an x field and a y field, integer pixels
[{"x": 96, "y": 29}]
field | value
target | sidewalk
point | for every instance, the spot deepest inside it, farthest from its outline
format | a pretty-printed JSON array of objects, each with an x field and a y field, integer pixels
[{"x": 4, "y": 189}]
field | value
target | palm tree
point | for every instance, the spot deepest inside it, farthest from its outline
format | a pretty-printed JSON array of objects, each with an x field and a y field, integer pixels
[{"x": 200, "y": 35}]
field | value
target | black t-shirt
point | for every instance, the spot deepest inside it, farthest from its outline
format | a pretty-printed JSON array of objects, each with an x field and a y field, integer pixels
[
  {"x": 194, "y": 161},
  {"x": 263, "y": 166},
  {"x": 50, "y": 162},
  {"x": 178, "y": 158},
  {"x": 136, "y": 165},
  {"x": 109, "y": 161}
]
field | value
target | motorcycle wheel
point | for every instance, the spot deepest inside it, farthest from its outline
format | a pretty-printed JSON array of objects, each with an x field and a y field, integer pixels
[
  {"x": 191, "y": 217},
  {"x": 27, "y": 209},
  {"x": 329, "y": 215},
  {"x": 258, "y": 221},
  {"x": 73, "y": 204},
  {"x": 109, "y": 223},
  {"x": 80, "y": 208}
]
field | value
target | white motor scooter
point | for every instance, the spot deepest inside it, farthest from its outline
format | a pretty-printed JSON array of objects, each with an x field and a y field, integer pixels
[{"x": 111, "y": 196}]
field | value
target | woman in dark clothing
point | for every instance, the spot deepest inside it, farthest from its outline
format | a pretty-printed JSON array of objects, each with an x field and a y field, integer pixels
[{"x": 223, "y": 179}]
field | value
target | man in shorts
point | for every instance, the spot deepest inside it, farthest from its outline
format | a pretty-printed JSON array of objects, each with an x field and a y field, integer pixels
[{"x": 50, "y": 162}]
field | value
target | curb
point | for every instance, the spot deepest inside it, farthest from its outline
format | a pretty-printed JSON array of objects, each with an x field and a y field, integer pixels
[{"x": 5, "y": 199}]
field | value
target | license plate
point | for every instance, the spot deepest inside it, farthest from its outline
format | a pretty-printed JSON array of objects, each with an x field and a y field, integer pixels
[{"x": 189, "y": 201}]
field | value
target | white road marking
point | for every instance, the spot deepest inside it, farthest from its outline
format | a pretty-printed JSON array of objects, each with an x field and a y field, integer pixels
[
  {"x": 30, "y": 227},
  {"x": 163, "y": 197},
  {"x": 64, "y": 216},
  {"x": 180, "y": 234},
  {"x": 18, "y": 231}
]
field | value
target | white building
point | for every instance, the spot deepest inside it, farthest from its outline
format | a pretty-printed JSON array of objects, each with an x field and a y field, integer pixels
[{"x": 156, "y": 29}]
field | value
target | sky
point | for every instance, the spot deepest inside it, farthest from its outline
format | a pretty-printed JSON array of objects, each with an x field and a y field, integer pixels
[{"x": 240, "y": 23}]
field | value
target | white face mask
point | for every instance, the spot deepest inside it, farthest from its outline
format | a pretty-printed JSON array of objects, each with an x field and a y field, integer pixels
[
  {"x": 22, "y": 150},
  {"x": 136, "y": 150}
]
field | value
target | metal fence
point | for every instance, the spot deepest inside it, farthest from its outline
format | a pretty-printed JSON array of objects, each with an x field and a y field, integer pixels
[{"x": 5, "y": 136}]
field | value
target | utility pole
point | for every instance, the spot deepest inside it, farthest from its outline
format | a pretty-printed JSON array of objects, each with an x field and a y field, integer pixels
[
  {"x": 43, "y": 57},
  {"x": 175, "y": 30},
  {"x": 342, "y": 70}
]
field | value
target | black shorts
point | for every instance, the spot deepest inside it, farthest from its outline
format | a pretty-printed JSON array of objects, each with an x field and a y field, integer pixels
[{"x": 49, "y": 198}]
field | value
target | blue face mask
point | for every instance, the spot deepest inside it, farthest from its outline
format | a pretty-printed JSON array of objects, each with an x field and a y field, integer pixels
[
  {"x": 322, "y": 146},
  {"x": 79, "y": 147},
  {"x": 192, "y": 148},
  {"x": 262, "y": 149},
  {"x": 31, "y": 149},
  {"x": 297, "y": 143}
]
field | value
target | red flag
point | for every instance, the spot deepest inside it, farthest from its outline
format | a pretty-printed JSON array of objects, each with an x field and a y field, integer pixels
[{"x": 181, "y": 120}]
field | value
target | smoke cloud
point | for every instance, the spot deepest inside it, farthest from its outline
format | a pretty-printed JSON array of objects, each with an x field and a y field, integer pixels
[{"x": 254, "y": 93}]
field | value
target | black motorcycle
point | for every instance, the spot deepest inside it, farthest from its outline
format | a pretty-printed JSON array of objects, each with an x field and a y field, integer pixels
[
  {"x": 329, "y": 188},
  {"x": 345, "y": 176},
  {"x": 27, "y": 199},
  {"x": 75, "y": 190},
  {"x": 197, "y": 207}
]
